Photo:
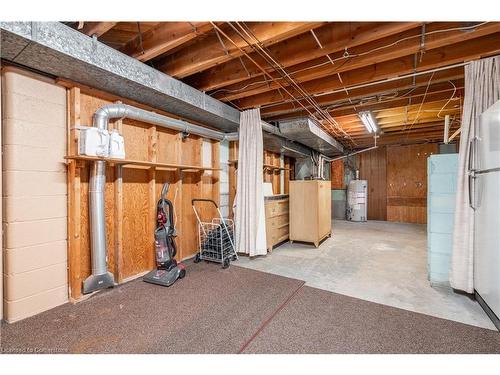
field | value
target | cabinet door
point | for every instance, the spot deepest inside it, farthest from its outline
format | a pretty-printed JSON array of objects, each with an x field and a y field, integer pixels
[
  {"x": 303, "y": 211},
  {"x": 324, "y": 208}
]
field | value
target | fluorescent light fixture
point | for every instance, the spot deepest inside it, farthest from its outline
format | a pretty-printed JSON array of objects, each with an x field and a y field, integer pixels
[{"x": 368, "y": 121}]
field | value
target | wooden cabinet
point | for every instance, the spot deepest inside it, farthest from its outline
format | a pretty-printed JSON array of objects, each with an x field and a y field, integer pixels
[
  {"x": 277, "y": 219},
  {"x": 310, "y": 211}
]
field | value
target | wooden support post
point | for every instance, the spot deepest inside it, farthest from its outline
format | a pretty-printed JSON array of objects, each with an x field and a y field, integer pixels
[
  {"x": 118, "y": 214},
  {"x": 74, "y": 250},
  {"x": 152, "y": 156},
  {"x": 233, "y": 156},
  {"x": 216, "y": 174}
]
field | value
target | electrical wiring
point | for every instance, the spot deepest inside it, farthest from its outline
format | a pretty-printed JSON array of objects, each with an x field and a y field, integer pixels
[
  {"x": 405, "y": 129},
  {"x": 449, "y": 100},
  {"x": 349, "y": 56},
  {"x": 253, "y": 61},
  {"x": 260, "y": 49}
]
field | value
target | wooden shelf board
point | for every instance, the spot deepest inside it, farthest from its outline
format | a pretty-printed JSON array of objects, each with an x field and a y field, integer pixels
[
  {"x": 148, "y": 164},
  {"x": 269, "y": 166}
]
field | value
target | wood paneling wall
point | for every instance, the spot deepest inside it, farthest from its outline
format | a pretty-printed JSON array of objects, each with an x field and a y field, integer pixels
[
  {"x": 407, "y": 182},
  {"x": 132, "y": 191},
  {"x": 397, "y": 182},
  {"x": 272, "y": 171},
  {"x": 337, "y": 174},
  {"x": 372, "y": 167}
]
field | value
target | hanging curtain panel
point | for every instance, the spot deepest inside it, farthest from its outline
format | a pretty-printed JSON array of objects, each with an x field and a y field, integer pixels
[
  {"x": 482, "y": 89},
  {"x": 250, "y": 230}
]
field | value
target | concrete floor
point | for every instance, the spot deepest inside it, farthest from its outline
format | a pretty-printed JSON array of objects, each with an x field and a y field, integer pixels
[{"x": 376, "y": 261}]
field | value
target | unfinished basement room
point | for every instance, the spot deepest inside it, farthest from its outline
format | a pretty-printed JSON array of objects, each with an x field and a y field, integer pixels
[{"x": 250, "y": 187}]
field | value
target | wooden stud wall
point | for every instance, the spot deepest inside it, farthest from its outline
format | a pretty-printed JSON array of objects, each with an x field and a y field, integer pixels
[
  {"x": 272, "y": 171},
  {"x": 132, "y": 191}
]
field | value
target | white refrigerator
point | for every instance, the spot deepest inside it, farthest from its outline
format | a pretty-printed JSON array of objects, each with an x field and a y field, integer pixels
[{"x": 484, "y": 184}]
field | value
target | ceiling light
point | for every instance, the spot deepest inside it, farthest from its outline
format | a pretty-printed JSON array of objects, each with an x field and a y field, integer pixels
[{"x": 368, "y": 121}]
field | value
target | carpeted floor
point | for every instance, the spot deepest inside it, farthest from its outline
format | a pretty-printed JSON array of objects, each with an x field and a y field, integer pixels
[
  {"x": 318, "y": 321},
  {"x": 237, "y": 310},
  {"x": 211, "y": 310}
]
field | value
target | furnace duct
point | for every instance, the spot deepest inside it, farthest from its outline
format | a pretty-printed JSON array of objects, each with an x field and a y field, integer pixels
[{"x": 101, "y": 278}]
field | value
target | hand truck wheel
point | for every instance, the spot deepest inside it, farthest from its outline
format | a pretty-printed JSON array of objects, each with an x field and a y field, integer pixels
[
  {"x": 197, "y": 258},
  {"x": 182, "y": 274},
  {"x": 225, "y": 264},
  {"x": 234, "y": 258}
]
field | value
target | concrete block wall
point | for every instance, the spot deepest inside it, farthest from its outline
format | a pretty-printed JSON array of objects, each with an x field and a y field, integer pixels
[
  {"x": 34, "y": 196},
  {"x": 442, "y": 176}
]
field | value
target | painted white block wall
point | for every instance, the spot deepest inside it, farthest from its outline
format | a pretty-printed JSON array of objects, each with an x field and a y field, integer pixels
[
  {"x": 442, "y": 175},
  {"x": 34, "y": 194}
]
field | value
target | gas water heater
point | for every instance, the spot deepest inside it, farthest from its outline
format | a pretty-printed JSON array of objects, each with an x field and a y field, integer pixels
[{"x": 357, "y": 200}]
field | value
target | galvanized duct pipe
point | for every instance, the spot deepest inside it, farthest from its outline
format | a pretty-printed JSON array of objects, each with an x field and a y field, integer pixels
[{"x": 100, "y": 277}]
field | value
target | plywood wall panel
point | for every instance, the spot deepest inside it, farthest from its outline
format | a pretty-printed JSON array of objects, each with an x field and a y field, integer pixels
[
  {"x": 191, "y": 188},
  {"x": 136, "y": 140},
  {"x": 372, "y": 167},
  {"x": 269, "y": 174},
  {"x": 191, "y": 150},
  {"x": 137, "y": 239},
  {"x": 168, "y": 146},
  {"x": 130, "y": 225},
  {"x": 407, "y": 182},
  {"x": 337, "y": 174}
]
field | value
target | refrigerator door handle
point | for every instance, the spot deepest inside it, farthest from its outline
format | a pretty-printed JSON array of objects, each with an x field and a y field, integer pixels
[
  {"x": 472, "y": 178},
  {"x": 471, "y": 172},
  {"x": 471, "y": 153}
]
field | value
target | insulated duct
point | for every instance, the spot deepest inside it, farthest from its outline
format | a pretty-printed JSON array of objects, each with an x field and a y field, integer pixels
[{"x": 309, "y": 133}]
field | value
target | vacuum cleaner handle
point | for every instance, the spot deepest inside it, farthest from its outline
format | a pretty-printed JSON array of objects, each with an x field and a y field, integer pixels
[
  {"x": 164, "y": 189},
  {"x": 203, "y": 200}
]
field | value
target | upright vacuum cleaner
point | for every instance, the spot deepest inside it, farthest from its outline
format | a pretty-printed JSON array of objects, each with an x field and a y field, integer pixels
[{"x": 167, "y": 269}]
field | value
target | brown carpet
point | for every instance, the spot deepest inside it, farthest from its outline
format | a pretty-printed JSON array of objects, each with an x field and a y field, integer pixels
[
  {"x": 228, "y": 311},
  {"x": 317, "y": 321},
  {"x": 211, "y": 310}
]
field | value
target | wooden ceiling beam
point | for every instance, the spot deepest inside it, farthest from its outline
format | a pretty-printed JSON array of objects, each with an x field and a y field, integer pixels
[
  {"x": 452, "y": 54},
  {"x": 334, "y": 37},
  {"x": 428, "y": 127},
  {"x": 163, "y": 38},
  {"x": 318, "y": 69},
  {"x": 400, "y": 87},
  {"x": 392, "y": 103},
  {"x": 97, "y": 28},
  {"x": 215, "y": 49},
  {"x": 388, "y": 97},
  {"x": 434, "y": 138},
  {"x": 407, "y": 135}
]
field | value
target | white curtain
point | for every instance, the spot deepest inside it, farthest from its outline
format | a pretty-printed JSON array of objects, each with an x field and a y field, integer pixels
[
  {"x": 250, "y": 225},
  {"x": 482, "y": 89}
]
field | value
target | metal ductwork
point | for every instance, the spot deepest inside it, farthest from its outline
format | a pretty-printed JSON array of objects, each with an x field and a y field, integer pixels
[
  {"x": 277, "y": 142},
  {"x": 309, "y": 133},
  {"x": 59, "y": 50},
  {"x": 100, "y": 277}
]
